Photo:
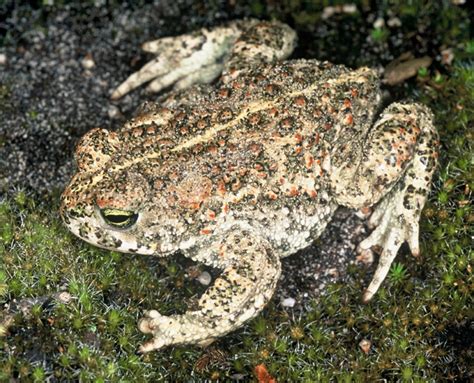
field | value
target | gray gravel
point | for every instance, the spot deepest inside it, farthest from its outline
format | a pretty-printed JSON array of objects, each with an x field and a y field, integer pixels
[
  {"x": 307, "y": 273},
  {"x": 48, "y": 97}
]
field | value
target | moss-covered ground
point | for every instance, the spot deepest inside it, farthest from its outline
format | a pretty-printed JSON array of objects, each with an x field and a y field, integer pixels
[{"x": 69, "y": 310}]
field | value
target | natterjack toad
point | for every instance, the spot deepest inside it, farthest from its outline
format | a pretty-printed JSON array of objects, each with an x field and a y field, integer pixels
[{"x": 241, "y": 173}]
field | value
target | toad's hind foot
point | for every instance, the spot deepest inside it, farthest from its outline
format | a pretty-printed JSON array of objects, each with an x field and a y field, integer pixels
[
  {"x": 182, "y": 60},
  {"x": 200, "y": 57}
]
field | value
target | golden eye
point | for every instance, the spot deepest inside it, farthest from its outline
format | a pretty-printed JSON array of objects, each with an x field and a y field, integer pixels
[{"x": 121, "y": 219}]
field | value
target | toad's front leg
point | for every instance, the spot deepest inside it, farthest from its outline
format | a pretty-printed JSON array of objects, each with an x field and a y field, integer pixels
[
  {"x": 251, "y": 272},
  {"x": 394, "y": 174}
]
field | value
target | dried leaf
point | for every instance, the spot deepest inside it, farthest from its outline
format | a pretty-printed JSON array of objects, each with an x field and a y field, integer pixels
[
  {"x": 399, "y": 70},
  {"x": 263, "y": 376}
]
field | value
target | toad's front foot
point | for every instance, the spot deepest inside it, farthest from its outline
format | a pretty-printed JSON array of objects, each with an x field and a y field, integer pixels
[
  {"x": 200, "y": 57},
  {"x": 394, "y": 224},
  {"x": 176, "y": 329},
  {"x": 400, "y": 158},
  {"x": 250, "y": 272}
]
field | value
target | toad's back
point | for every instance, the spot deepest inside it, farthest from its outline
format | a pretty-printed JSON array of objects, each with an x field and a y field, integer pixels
[{"x": 266, "y": 134}]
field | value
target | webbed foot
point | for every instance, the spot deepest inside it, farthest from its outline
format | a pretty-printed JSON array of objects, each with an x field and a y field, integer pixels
[
  {"x": 200, "y": 57},
  {"x": 182, "y": 61}
]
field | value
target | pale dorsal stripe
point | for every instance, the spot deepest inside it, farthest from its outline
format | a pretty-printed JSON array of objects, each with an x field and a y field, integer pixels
[
  {"x": 252, "y": 108},
  {"x": 210, "y": 133},
  {"x": 255, "y": 107}
]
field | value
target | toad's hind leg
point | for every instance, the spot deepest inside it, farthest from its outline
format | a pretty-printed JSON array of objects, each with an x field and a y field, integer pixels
[
  {"x": 396, "y": 172},
  {"x": 201, "y": 56},
  {"x": 259, "y": 42}
]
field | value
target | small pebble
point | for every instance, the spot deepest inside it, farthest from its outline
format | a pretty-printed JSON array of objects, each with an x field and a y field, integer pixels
[
  {"x": 3, "y": 58},
  {"x": 349, "y": 8},
  {"x": 329, "y": 11},
  {"x": 365, "y": 345},
  {"x": 379, "y": 23},
  {"x": 88, "y": 62},
  {"x": 288, "y": 302},
  {"x": 394, "y": 22},
  {"x": 114, "y": 112},
  {"x": 333, "y": 272},
  {"x": 64, "y": 297},
  {"x": 204, "y": 278},
  {"x": 447, "y": 56}
]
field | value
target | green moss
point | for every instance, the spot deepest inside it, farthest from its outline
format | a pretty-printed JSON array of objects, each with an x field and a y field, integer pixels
[
  {"x": 379, "y": 35},
  {"x": 5, "y": 102},
  {"x": 398, "y": 273}
]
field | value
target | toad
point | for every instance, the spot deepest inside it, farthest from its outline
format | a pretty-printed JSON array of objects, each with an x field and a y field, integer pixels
[{"x": 244, "y": 162}]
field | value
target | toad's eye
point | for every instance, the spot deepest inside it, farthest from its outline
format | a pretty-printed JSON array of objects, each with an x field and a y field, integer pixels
[{"x": 121, "y": 219}]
